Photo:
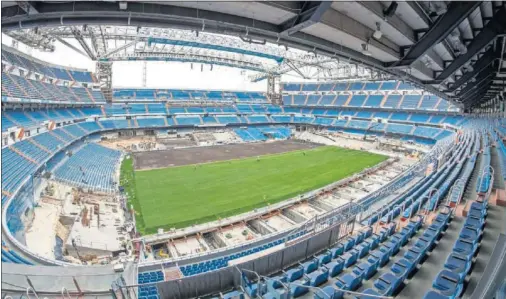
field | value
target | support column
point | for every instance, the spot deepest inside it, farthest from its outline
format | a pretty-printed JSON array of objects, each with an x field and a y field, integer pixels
[
  {"x": 274, "y": 90},
  {"x": 144, "y": 73},
  {"x": 104, "y": 76}
]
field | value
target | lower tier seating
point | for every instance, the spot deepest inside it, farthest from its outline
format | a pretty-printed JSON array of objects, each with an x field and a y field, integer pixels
[{"x": 93, "y": 166}]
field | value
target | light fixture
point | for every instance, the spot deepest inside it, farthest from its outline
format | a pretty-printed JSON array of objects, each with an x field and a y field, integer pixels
[
  {"x": 365, "y": 49},
  {"x": 377, "y": 33},
  {"x": 123, "y": 5}
]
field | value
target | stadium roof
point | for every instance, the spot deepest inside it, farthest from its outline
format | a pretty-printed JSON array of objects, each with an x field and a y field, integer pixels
[{"x": 452, "y": 49}]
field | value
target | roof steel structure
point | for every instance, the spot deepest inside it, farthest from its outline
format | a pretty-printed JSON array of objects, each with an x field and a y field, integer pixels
[{"x": 443, "y": 47}]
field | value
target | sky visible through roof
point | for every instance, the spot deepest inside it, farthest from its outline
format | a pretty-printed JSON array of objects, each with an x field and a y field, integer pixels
[{"x": 159, "y": 74}]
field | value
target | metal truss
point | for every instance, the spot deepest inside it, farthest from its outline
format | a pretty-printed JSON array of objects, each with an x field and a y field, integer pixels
[
  {"x": 191, "y": 55},
  {"x": 104, "y": 76},
  {"x": 120, "y": 43},
  {"x": 34, "y": 39},
  {"x": 324, "y": 68}
]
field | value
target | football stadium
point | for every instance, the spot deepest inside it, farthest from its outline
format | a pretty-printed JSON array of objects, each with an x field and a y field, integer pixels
[{"x": 263, "y": 149}]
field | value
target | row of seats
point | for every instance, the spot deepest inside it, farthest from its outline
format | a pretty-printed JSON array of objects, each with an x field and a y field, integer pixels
[
  {"x": 447, "y": 181},
  {"x": 330, "y": 263},
  {"x": 308, "y": 274},
  {"x": 93, "y": 166},
  {"x": 214, "y": 264},
  {"x": 31, "y": 118},
  {"x": 15, "y": 170},
  {"x": 28, "y": 118},
  {"x": 420, "y": 189},
  {"x": 120, "y": 109},
  {"x": 358, "y": 126},
  {"x": 263, "y": 133},
  {"x": 149, "y": 291},
  {"x": 47, "y": 70},
  {"x": 501, "y": 150},
  {"x": 59, "y": 137},
  {"x": 20, "y": 87},
  {"x": 436, "y": 188},
  {"x": 456, "y": 196},
  {"x": 485, "y": 177},
  {"x": 393, "y": 101},
  {"x": 449, "y": 282},
  {"x": 351, "y": 86},
  {"x": 11, "y": 256},
  {"x": 390, "y": 282},
  {"x": 188, "y": 95}
]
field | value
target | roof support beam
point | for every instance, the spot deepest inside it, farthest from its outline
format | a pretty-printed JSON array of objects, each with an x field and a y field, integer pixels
[
  {"x": 422, "y": 14},
  {"x": 457, "y": 11},
  {"x": 480, "y": 65},
  {"x": 79, "y": 37},
  {"x": 71, "y": 46},
  {"x": 289, "y": 6},
  {"x": 487, "y": 34},
  {"x": 118, "y": 49},
  {"x": 399, "y": 25},
  {"x": 28, "y": 7},
  {"x": 482, "y": 90},
  {"x": 484, "y": 76},
  {"x": 157, "y": 15},
  {"x": 346, "y": 24},
  {"x": 474, "y": 98},
  {"x": 311, "y": 13}
]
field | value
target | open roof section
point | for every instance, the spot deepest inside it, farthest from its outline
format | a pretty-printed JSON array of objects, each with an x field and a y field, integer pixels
[{"x": 414, "y": 45}]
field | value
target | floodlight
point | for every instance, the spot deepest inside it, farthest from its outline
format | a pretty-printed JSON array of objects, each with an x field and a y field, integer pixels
[{"x": 377, "y": 33}]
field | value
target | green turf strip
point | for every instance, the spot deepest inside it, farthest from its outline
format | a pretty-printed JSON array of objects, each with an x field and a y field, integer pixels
[{"x": 193, "y": 194}]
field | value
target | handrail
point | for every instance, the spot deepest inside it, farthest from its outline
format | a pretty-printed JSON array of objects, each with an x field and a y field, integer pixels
[
  {"x": 65, "y": 292},
  {"x": 28, "y": 289},
  {"x": 342, "y": 290},
  {"x": 456, "y": 186}
]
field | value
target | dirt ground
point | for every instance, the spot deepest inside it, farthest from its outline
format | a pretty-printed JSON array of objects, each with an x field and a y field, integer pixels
[{"x": 196, "y": 155}]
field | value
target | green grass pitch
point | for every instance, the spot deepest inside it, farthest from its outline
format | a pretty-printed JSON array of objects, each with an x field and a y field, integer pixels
[{"x": 193, "y": 194}]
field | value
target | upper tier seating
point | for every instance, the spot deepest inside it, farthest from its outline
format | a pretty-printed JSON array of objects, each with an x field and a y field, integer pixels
[
  {"x": 19, "y": 87},
  {"x": 57, "y": 72},
  {"x": 27, "y": 118},
  {"x": 314, "y": 94},
  {"x": 187, "y": 95}
]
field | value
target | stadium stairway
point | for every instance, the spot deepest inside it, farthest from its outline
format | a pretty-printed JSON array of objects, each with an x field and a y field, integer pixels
[
  {"x": 495, "y": 225},
  {"x": 425, "y": 275}
]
